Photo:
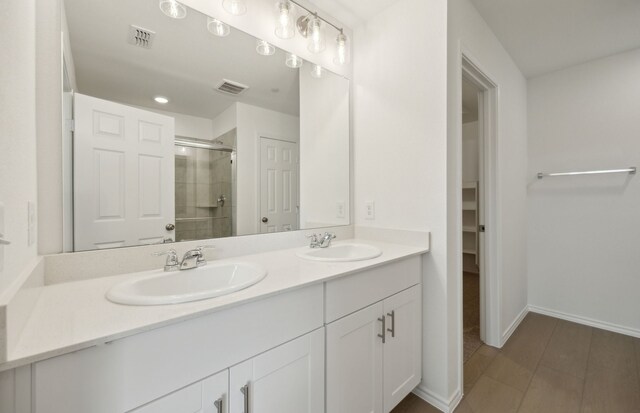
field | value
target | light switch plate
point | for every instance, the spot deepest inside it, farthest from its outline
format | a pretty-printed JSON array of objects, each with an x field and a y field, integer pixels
[{"x": 369, "y": 210}]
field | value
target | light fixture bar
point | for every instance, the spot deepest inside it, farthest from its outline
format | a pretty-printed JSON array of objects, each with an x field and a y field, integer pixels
[{"x": 315, "y": 13}]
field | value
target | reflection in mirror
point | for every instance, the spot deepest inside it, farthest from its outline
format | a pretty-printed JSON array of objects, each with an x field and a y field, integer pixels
[{"x": 187, "y": 129}]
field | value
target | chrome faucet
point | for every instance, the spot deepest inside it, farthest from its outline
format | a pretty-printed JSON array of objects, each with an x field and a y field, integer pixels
[
  {"x": 191, "y": 259},
  {"x": 321, "y": 241}
]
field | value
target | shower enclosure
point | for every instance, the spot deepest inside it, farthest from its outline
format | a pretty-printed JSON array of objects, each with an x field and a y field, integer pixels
[{"x": 205, "y": 187}]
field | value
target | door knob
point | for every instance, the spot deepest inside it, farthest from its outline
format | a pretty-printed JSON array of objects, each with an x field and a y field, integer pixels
[
  {"x": 265, "y": 219},
  {"x": 169, "y": 227}
]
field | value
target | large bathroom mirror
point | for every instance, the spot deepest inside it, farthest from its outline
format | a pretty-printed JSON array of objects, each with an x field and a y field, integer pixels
[{"x": 187, "y": 129}]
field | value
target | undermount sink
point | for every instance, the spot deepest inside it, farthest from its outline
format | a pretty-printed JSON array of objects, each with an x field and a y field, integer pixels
[
  {"x": 341, "y": 253},
  {"x": 212, "y": 280}
]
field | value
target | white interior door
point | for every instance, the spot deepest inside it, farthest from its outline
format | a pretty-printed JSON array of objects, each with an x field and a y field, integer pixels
[
  {"x": 403, "y": 349},
  {"x": 123, "y": 175},
  {"x": 278, "y": 185},
  {"x": 354, "y": 362},
  {"x": 287, "y": 379}
]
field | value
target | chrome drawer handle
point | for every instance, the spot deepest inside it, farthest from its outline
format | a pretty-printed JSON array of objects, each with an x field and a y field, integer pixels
[
  {"x": 245, "y": 391},
  {"x": 392, "y": 330},
  {"x": 383, "y": 336},
  {"x": 218, "y": 404}
]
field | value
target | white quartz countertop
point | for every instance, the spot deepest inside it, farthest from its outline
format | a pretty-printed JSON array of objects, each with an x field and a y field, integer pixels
[{"x": 76, "y": 315}]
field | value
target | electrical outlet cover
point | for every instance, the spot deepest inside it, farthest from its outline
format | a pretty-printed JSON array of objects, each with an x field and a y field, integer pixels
[{"x": 370, "y": 210}]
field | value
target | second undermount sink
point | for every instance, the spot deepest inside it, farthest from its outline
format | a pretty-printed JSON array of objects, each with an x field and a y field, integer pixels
[
  {"x": 211, "y": 280},
  {"x": 343, "y": 252}
]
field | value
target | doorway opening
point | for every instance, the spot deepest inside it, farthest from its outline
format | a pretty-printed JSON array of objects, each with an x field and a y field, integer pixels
[{"x": 478, "y": 216}]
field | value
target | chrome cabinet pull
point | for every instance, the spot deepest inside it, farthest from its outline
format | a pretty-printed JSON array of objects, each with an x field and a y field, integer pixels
[
  {"x": 218, "y": 404},
  {"x": 245, "y": 391},
  {"x": 383, "y": 336},
  {"x": 392, "y": 330}
]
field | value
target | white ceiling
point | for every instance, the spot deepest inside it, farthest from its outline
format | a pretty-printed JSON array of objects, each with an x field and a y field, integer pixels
[
  {"x": 184, "y": 64},
  {"x": 547, "y": 35},
  {"x": 353, "y": 12}
]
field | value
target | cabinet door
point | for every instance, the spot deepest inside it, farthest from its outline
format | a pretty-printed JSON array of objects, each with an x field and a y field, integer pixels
[
  {"x": 286, "y": 379},
  {"x": 402, "y": 350},
  {"x": 207, "y": 396},
  {"x": 354, "y": 362}
]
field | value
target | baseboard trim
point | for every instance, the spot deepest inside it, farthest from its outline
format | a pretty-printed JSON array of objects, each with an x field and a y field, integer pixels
[
  {"x": 446, "y": 406},
  {"x": 586, "y": 321},
  {"x": 512, "y": 327}
]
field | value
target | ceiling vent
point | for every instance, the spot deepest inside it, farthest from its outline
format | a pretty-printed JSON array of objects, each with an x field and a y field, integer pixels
[
  {"x": 230, "y": 87},
  {"x": 141, "y": 37}
]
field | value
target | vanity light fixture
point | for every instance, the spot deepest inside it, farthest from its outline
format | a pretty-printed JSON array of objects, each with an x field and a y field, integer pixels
[
  {"x": 235, "y": 7},
  {"x": 293, "y": 61},
  {"x": 314, "y": 32},
  {"x": 341, "y": 49},
  {"x": 173, "y": 9},
  {"x": 284, "y": 28},
  {"x": 317, "y": 71},
  {"x": 161, "y": 99},
  {"x": 218, "y": 28},
  {"x": 264, "y": 48}
]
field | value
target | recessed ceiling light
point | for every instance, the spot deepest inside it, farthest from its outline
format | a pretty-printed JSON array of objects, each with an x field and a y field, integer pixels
[{"x": 161, "y": 99}]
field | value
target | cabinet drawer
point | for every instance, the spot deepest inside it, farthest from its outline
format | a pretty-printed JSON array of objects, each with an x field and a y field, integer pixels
[{"x": 349, "y": 294}]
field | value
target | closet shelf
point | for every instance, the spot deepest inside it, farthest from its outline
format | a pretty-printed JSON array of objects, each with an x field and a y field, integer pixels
[{"x": 469, "y": 229}]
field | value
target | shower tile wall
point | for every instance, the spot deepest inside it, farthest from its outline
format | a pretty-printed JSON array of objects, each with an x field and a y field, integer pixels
[{"x": 202, "y": 177}]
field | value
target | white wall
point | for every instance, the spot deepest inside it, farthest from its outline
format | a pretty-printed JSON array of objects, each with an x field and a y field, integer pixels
[
  {"x": 470, "y": 158},
  {"x": 584, "y": 232},
  {"x": 252, "y": 123},
  {"x": 18, "y": 180},
  {"x": 400, "y": 148},
  {"x": 324, "y": 150},
  {"x": 469, "y": 32},
  {"x": 225, "y": 121}
]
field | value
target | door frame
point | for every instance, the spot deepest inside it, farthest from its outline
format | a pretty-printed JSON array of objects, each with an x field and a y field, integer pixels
[{"x": 488, "y": 258}]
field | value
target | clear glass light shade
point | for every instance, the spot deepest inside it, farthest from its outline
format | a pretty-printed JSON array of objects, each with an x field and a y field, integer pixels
[
  {"x": 285, "y": 27},
  {"x": 217, "y": 27},
  {"x": 235, "y": 7},
  {"x": 173, "y": 9},
  {"x": 264, "y": 48},
  {"x": 314, "y": 33},
  {"x": 293, "y": 61},
  {"x": 317, "y": 71},
  {"x": 341, "y": 50}
]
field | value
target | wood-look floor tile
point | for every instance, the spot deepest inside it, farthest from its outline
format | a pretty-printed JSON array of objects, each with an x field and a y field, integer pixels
[
  {"x": 463, "y": 407},
  {"x": 611, "y": 390},
  {"x": 613, "y": 351},
  {"x": 491, "y": 396},
  {"x": 509, "y": 371},
  {"x": 552, "y": 392},
  {"x": 420, "y": 406},
  {"x": 405, "y": 404},
  {"x": 568, "y": 349},
  {"x": 528, "y": 342},
  {"x": 477, "y": 364}
]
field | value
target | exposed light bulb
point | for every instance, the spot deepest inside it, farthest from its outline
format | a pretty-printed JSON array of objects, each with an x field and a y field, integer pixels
[
  {"x": 173, "y": 9},
  {"x": 264, "y": 48},
  {"x": 341, "y": 50},
  {"x": 218, "y": 28},
  {"x": 293, "y": 61},
  {"x": 284, "y": 28},
  {"x": 235, "y": 7},
  {"x": 316, "y": 40},
  {"x": 317, "y": 71}
]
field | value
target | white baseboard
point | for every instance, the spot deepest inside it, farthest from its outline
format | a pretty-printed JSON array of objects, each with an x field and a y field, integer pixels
[
  {"x": 446, "y": 406},
  {"x": 512, "y": 327},
  {"x": 586, "y": 321}
]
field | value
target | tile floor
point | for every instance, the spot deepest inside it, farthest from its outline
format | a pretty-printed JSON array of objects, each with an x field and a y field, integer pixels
[{"x": 548, "y": 366}]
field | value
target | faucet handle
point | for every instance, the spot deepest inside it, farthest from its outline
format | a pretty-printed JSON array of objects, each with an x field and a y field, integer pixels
[
  {"x": 206, "y": 247},
  {"x": 172, "y": 259},
  {"x": 330, "y": 235},
  {"x": 312, "y": 237}
]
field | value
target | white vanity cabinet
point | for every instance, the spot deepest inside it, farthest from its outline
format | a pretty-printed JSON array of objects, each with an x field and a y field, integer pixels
[{"x": 374, "y": 355}]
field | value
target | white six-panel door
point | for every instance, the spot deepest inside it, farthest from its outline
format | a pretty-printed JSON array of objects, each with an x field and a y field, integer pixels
[
  {"x": 278, "y": 185},
  {"x": 123, "y": 175},
  {"x": 286, "y": 379},
  {"x": 354, "y": 362}
]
